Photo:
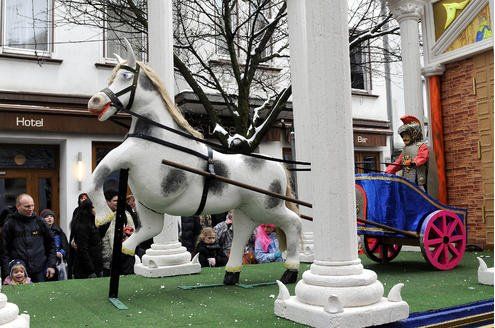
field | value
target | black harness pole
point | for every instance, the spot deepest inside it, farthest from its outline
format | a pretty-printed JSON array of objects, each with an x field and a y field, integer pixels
[{"x": 120, "y": 220}]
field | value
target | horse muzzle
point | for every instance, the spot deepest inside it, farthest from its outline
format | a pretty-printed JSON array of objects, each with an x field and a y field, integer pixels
[{"x": 100, "y": 105}]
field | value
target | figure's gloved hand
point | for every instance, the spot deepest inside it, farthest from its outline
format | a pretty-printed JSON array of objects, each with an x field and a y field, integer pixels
[
  {"x": 212, "y": 262},
  {"x": 278, "y": 255}
]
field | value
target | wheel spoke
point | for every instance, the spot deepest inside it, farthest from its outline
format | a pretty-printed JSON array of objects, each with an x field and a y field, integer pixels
[
  {"x": 431, "y": 242},
  {"x": 374, "y": 248},
  {"x": 444, "y": 224},
  {"x": 383, "y": 252},
  {"x": 456, "y": 238},
  {"x": 452, "y": 227},
  {"x": 454, "y": 250},
  {"x": 436, "y": 230},
  {"x": 436, "y": 252},
  {"x": 446, "y": 254}
]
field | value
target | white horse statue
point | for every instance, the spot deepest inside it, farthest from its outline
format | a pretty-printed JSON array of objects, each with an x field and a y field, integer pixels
[{"x": 160, "y": 189}]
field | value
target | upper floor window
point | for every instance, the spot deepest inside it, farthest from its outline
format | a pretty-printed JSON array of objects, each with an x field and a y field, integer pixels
[
  {"x": 27, "y": 26},
  {"x": 118, "y": 25},
  {"x": 221, "y": 46},
  {"x": 261, "y": 16},
  {"x": 360, "y": 67}
]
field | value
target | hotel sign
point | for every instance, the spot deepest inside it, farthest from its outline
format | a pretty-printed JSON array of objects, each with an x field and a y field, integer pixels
[{"x": 60, "y": 123}]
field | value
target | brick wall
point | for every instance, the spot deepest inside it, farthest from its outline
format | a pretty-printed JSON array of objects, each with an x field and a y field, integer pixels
[{"x": 460, "y": 123}]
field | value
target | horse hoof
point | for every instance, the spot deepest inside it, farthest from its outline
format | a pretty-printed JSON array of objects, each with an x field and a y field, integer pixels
[
  {"x": 289, "y": 277},
  {"x": 231, "y": 278}
]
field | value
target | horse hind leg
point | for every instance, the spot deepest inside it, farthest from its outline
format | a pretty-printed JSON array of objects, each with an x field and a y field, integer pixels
[
  {"x": 151, "y": 225},
  {"x": 292, "y": 229},
  {"x": 243, "y": 228}
]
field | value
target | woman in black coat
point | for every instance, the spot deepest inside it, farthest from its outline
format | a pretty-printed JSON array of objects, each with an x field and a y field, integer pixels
[{"x": 87, "y": 260}]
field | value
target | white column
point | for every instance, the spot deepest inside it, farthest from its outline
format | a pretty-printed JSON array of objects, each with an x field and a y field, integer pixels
[
  {"x": 336, "y": 291},
  {"x": 302, "y": 121},
  {"x": 166, "y": 257},
  {"x": 408, "y": 13}
]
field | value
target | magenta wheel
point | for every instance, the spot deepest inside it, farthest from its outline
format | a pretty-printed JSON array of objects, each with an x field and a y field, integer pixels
[
  {"x": 377, "y": 250},
  {"x": 443, "y": 239}
]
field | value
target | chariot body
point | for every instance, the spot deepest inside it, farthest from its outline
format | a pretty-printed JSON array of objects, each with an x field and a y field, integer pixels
[{"x": 393, "y": 211}]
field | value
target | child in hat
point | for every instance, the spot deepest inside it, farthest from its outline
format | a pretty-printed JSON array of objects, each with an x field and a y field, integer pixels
[{"x": 17, "y": 274}]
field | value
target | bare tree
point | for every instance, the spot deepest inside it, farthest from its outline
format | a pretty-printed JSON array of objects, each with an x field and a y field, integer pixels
[{"x": 237, "y": 49}]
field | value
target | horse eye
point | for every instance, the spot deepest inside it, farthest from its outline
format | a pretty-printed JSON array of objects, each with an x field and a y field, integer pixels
[{"x": 127, "y": 75}]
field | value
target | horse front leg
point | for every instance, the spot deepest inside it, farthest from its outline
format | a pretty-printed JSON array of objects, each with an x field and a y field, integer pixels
[
  {"x": 112, "y": 162},
  {"x": 151, "y": 225},
  {"x": 243, "y": 228}
]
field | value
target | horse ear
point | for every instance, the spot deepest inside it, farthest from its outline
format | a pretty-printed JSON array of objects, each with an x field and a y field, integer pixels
[
  {"x": 119, "y": 59},
  {"x": 131, "y": 58}
]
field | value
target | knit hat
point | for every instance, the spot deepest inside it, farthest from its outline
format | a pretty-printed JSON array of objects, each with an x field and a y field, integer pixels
[
  {"x": 47, "y": 212},
  {"x": 16, "y": 263}
]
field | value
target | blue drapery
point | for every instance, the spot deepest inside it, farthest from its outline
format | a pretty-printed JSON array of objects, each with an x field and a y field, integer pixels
[{"x": 397, "y": 202}]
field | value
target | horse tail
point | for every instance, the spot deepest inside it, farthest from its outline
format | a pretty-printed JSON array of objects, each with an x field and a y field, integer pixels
[
  {"x": 282, "y": 239},
  {"x": 289, "y": 192}
]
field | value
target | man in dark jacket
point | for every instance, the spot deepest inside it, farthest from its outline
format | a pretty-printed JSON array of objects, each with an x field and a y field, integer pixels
[
  {"x": 190, "y": 230},
  {"x": 27, "y": 238}
]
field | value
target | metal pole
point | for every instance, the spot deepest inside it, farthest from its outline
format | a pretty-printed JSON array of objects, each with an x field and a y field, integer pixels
[{"x": 120, "y": 220}]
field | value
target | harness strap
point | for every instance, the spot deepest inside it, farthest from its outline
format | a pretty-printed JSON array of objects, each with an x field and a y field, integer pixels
[
  {"x": 216, "y": 146},
  {"x": 211, "y": 168}
]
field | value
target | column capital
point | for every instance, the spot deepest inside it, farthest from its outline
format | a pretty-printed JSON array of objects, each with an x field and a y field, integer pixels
[
  {"x": 406, "y": 9},
  {"x": 433, "y": 70}
]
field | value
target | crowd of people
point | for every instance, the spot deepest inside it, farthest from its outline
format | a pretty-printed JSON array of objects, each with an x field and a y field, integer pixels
[{"x": 35, "y": 249}]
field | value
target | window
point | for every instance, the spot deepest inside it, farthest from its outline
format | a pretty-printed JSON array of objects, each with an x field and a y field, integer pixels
[
  {"x": 262, "y": 20},
  {"x": 221, "y": 47},
  {"x": 360, "y": 67},
  {"x": 118, "y": 26},
  {"x": 27, "y": 26}
]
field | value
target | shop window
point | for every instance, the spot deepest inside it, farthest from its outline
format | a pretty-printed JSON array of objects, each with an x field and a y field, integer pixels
[
  {"x": 27, "y": 26},
  {"x": 28, "y": 156},
  {"x": 366, "y": 162},
  {"x": 100, "y": 150}
]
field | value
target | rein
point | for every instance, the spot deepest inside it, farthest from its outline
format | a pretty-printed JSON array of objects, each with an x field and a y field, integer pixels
[{"x": 114, "y": 98}]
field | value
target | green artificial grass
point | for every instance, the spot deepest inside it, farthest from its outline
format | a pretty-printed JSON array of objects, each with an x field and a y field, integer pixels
[{"x": 158, "y": 302}]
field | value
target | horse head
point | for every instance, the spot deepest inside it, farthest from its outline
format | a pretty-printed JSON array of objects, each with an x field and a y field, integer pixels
[{"x": 120, "y": 93}]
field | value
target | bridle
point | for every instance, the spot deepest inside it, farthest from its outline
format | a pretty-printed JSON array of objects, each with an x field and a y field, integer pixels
[{"x": 114, "y": 97}]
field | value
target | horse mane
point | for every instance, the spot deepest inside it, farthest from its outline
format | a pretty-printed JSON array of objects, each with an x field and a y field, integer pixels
[{"x": 174, "y": 111}]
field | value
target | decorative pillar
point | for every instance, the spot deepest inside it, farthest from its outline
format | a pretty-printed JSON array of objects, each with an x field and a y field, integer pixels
[
  {"x": 166, "y": 257},
  {"x": 336, "y": 291},
  {"x": 302, "y": 122},
  {"x": 408, "y": 13},
  {"x": 436, "y": 125}
]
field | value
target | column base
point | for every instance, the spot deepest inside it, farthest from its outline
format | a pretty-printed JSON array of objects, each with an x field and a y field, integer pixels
[
  {"x": 9, "y": 315},
  {"x": 165, "y": 260},
  {"x": 167, "y": 271},
  {"x": 378, "y": 313}
]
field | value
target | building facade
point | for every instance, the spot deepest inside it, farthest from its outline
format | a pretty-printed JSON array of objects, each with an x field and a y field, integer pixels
[
  {"x": 50, "y": 143},
  {"x": 458, "y": 66}
]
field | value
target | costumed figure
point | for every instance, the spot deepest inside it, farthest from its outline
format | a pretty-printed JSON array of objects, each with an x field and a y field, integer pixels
[{"x": 413, "y": 160}]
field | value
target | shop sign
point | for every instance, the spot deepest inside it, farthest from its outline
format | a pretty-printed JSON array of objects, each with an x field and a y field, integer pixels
[{"x": 369, "y": 140}]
